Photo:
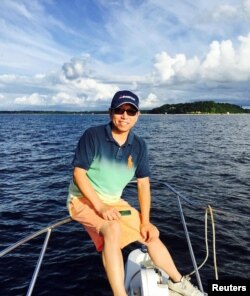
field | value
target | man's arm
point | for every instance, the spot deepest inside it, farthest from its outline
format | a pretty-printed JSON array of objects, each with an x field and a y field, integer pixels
[
  {"x": 85, "y": 187},
  {"x": 144, "y": 196},
  {"x": 148, "y": 230}
]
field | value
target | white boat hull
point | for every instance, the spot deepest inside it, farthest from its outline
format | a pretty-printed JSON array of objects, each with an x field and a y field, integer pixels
[{"x": 142, "y": 278}]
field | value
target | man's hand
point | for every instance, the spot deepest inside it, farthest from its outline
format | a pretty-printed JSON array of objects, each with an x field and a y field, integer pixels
[
  {"x": 109, "y": 213},
  {"x": 149, "y": 232}
]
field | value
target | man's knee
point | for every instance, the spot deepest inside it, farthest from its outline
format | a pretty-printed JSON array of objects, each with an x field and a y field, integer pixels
[{"x": 111, "y": 230}]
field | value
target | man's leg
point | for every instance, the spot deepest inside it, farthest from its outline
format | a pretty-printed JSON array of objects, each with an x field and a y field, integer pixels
[
  {"x": 162, "y": 259},
  {"x": 112, "y": 257}
]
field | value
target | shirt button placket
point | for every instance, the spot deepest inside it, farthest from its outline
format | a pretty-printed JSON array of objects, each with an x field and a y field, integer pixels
[{"x": 119, "y": 153}]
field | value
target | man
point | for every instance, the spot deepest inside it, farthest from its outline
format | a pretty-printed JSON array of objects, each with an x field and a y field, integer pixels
[{"x": 107, "y": 157}]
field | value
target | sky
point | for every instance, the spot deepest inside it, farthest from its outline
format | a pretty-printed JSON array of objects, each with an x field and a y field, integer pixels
[{"x": 74, "y": 55}]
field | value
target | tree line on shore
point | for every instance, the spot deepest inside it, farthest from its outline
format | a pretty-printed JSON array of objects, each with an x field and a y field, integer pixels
[{"x": 201, "y": 107}]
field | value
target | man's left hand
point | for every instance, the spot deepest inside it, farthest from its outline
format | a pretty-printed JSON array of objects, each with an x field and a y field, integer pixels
[{"x": 149, "y": 232}]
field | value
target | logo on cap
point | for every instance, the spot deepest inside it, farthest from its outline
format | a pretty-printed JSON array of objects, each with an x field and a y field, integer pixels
[{"x": 127, "y": 97}]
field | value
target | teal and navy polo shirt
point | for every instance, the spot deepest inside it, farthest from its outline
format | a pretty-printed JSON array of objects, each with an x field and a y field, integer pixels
[{"x": 110, "y": 167}]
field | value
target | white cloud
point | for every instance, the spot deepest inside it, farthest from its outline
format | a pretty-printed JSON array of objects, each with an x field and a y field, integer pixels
[
  {"x": 57, "y": 99},
  {"x": 92, "y": 86},
  {"x": 34, "y": 99},
  {"x": 178, "y": 66},
  {"x": 244, "y": 55},
  {"x": 223, "y": 62},
  {"x": 65, "y": 99},
  {"x": 220, "y": 62},
  {"x": 150, "y": 101},
  {"x": 76, "y": 76}
]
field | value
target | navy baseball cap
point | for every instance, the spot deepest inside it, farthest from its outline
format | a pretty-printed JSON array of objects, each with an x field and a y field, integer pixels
[{"x": 124, "y": 97}]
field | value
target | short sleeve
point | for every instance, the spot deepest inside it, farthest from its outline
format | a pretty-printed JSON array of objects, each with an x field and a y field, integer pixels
[
  {"x": 85, "y": 151},
  {"x": 142, "y": 169}
]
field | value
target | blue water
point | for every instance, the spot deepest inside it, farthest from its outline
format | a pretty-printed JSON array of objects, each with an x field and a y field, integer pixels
[{"x": 204, "y": 157}]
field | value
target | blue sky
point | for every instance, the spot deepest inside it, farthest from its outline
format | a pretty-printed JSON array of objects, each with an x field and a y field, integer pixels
[{"x": 75, "y": 54}]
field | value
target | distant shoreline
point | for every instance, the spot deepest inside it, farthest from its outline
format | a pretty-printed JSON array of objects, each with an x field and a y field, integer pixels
[
  {"x": 195, "y": 108},
  {"x": 106, "y": 113}
]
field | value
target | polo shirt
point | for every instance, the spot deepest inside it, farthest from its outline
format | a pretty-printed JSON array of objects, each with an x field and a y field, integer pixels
[{"x": 110, "y": 167}]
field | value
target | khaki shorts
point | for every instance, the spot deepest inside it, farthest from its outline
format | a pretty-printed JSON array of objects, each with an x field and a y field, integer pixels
[{"x": 82, "y": 211}]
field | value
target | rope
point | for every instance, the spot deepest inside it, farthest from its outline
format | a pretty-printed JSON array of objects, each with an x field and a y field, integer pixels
[
  {"x": 210, "y": 211},
  {"x": 214, "y": 241}
]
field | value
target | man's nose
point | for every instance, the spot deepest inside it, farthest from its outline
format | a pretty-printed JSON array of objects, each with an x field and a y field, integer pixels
[{"x": 124, "y": 114}]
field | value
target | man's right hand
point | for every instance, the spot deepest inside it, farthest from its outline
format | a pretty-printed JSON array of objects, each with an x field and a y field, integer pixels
[{"x": 109, "y": 213}]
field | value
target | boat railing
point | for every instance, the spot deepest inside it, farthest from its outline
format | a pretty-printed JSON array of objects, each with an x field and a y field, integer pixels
[
  {"x": 184, "y": 224},
  {"x": 49, "y": 229},
  {"x": 46, "y": 230}
]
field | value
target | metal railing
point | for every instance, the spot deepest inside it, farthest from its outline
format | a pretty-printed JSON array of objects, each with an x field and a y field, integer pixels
[
  {"x": 49, "y": 229},
  {"x": 184, "y": 224}
]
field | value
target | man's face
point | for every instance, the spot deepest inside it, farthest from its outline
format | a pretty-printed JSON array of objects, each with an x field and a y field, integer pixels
[{"x": 124, "y": 117}]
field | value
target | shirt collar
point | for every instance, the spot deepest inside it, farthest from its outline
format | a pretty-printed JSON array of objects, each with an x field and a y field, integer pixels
[{"x": 109, "y": 136}]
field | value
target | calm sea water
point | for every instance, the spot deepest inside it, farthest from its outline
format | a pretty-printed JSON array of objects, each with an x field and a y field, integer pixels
[{"x": 207, "y": 158}]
